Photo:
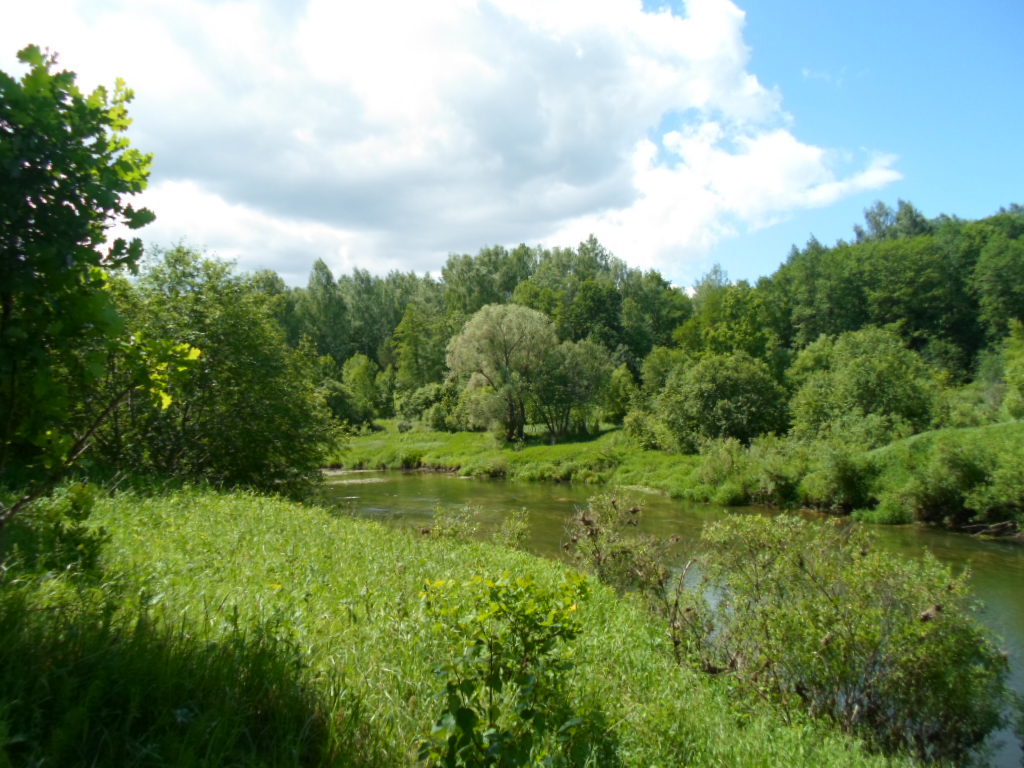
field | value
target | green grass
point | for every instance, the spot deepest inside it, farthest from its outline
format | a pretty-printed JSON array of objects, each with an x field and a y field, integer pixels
[
  {"x": 607, "y": 458},
  {"x": 896, "y": 462},
  {"x": 237, "y": 630}
]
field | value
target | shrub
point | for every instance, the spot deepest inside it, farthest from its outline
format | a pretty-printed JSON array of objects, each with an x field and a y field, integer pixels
[
  {"x": 647, "y": 431},
  {"x": 777, "y": 466},
  {"x": 940, "y": 490},
  {"x": 866, "y": 373},
  {"x": 501, "y": 703},
  {"x": 514, "y": 531},
  {"x": 815, "y": 618},
  {"x": 53, "y": 534},
  {"x": 840, "y": 480},
  {"x": 1001, "y": 496},
  {"x": 598, "y": 541},
  {"x": 723, "y": 396},
  {"x": 890, "y": 511},
  {"x": 410, "y": 405},
  {"x": 455, "y": 522},
  {"x": 731, "y": 494}
]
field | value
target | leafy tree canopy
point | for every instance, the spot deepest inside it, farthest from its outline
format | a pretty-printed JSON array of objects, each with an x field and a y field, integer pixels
[
  {"x": 505, "y": 346},
  {"x": 730, "y": 395},
  {"x": 250, "y": 411},
  {"x": 865, "y": 376},
  {"x": 67, "y": 169}
]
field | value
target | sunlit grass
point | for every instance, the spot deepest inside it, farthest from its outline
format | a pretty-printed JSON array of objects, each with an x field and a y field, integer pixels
[
  {"x": 234, "y": 629},
  {"x": 607, "y": 458}
]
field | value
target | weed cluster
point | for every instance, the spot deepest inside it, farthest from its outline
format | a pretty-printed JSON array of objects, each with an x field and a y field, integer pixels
[{"x": 503, "y": 696}]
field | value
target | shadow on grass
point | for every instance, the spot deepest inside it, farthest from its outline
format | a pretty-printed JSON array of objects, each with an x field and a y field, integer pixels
[{"x": 78, "y": 686}]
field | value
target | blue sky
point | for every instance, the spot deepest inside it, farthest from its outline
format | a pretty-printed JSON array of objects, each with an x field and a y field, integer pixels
[
  {"x": 938, "y": 84},
  {"x": 385, "y": 137}
]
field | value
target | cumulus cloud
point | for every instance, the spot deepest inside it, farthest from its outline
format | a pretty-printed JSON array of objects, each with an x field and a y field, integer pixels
[{"x": 388, "y": 135}]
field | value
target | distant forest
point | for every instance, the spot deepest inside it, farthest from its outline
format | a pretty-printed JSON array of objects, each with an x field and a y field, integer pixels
[
  {"x": 913, "y": 325},
  {"x": 944, "y": 295}
]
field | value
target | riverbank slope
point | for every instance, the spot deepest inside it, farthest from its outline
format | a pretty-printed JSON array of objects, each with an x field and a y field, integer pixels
[
  {"x": 210, "y": 629},
  {"x": 970, "y": 479}
]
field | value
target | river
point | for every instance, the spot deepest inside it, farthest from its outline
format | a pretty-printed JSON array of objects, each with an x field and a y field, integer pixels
[{"x": 409, "y": 499}]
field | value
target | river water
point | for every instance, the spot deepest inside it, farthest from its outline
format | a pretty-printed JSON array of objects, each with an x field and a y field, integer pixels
[{"x": 409, "y": 499}]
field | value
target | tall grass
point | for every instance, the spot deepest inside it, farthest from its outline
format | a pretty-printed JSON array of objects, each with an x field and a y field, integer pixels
[{"x": 238, "y": 630}]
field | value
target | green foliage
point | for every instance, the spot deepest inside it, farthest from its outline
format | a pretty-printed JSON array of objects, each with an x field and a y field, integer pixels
[
  {"x": 375, "y": 305},
  {"x": 731, "y": 318},
  {"x": 68, "y": 167},
  {"x": 52, "y": 534},
  {"x": 502, "y": 348},
  {"x": 594, "y": 313},
  {"x": 998, "y": 281},
  {"x": 359, "y": 378},
  {"x": 490, "y": 277},
  {"x": 658, "y": 366},
  {"x": 568, "y": 386},
  {"x": 598, "y": 539},
  {"x": 840, "y": 480},
  {"x": 1013, "y": 371},
  {"x": 967, "y": 478},
  {"x": 501, "y": 704},
  {"x": 412, "y": 404},
  {"x": 918, "y": 283},
  {"x": 455, "y": 522},
  {"x": 322, "y": 314},
  {"x": 651, "y": 310},
  {"x": 420, "y": 341},
  {"x": 939, "y": 489},
  {"x": 620, "y": 396},
  {"x": 722, "y": 396},
  {"x": 883, "y": 223},
  {"x": 863, "y": 383},
  {"x": 814, "y": 617},
  {"x": 247, "y": 412},
  {"x": 514, "y": 531}
]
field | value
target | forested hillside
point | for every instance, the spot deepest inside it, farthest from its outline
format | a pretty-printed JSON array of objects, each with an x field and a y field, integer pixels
[{"x": 914, "y": 325}]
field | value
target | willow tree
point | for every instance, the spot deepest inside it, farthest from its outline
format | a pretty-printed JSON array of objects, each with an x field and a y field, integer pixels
[{"x": 504, "y": 348}]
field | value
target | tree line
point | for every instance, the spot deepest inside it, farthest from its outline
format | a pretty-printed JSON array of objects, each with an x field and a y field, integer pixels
[{"x": 913, "y": 323}]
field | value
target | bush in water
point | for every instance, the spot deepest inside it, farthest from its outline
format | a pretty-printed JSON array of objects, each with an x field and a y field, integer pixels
[{"x": 813, "y": 617}]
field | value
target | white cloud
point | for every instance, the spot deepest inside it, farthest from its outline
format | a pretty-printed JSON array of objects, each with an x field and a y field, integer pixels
[{"x": 386, "y": 135}]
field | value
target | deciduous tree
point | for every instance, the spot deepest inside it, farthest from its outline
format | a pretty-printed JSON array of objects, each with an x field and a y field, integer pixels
[
  {"x": 504, "y": 346},
  {"x": 66, "y": 170}
]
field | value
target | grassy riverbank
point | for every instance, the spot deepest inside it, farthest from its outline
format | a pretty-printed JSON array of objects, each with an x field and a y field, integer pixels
[
  {"x": 607, "y": 458},
  {"x": 968, "y": 478},
  {"x": 219, "y": 629}
]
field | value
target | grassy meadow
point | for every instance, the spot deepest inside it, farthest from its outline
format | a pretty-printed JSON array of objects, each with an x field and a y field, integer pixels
[
  {"x": 201, "y": 628},
  {"x": 607, "y": 458}
]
